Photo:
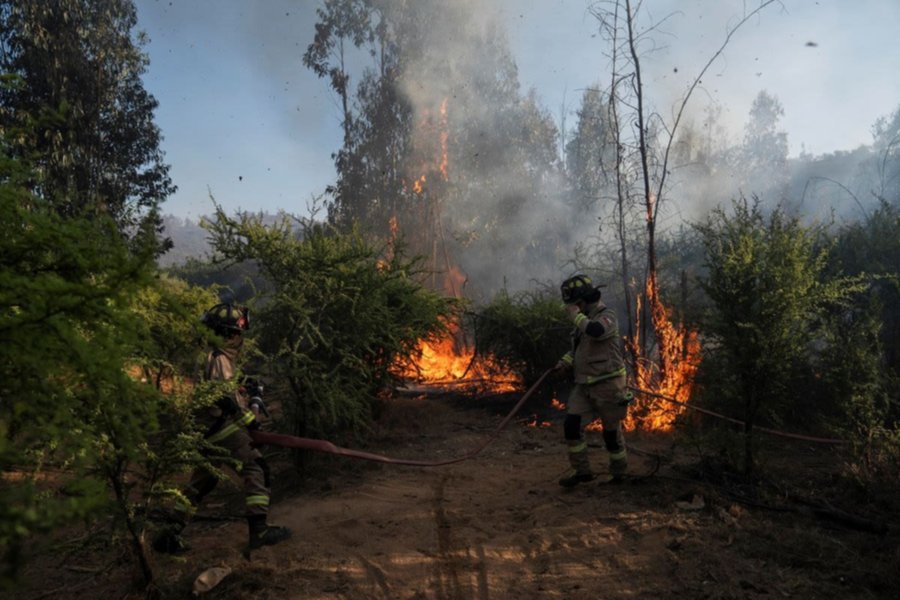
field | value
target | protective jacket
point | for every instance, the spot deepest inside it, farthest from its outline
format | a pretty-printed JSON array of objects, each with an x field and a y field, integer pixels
[
  {"x": 596, "y": 353},
  {"x": 230, "y": 412}
]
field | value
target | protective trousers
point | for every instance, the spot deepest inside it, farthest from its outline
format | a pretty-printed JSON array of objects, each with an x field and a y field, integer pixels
[
  {"x": 609, "y": 401},
  {"x": 235, "y": 443}
]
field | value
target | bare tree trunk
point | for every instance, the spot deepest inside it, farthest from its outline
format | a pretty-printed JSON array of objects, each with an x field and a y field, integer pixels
[
  {"x": 116, "y": 476},
  {"x": 620, "y": 200}
]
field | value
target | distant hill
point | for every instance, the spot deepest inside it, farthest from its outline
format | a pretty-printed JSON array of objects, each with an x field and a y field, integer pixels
[{"x": 188, "y": 238}]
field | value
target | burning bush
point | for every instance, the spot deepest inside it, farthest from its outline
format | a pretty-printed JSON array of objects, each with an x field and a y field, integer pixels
[{"x": 338, "y": 316}]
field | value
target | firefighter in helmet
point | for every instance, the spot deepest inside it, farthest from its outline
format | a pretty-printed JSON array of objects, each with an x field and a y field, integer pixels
[
  {"x": 225, "y": 424},
  {"x": 597, "y": 368}
]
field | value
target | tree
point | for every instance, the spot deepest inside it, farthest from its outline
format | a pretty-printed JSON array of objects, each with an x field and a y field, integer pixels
[
  {"x": 645, "y": 142},
  {"x": 449, "y": 150},
  {"x": 763, "y": 155},
  {"x": 769, "y": 294},
  {"x": 590, "y": 152},
  {"x": 65, "y": 335},
  {"x": 77, "y": 108},
  {"x": 886, "y": 165}
]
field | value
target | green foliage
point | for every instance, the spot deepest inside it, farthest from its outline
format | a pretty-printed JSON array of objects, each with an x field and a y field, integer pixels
[
  {"x": 79, "y": 110},
  {"x": 526, "y": 332},
  {"x": 67, "y": 402},
  {"x": 863, "y": 371},
  {"x": 872, "y": 247},
  {"x": 337, "y": 317},
  {"x": 173, "y": 336},
  {"x": 81, "y": 318},
  {"x": 770, "y": 299},
  {"x": 858, "y": 392}
]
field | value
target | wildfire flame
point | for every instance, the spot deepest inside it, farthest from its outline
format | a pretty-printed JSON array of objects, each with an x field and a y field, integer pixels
[
  {"x": 678, "y": 357},
  {"x": 445, "y": 142},
  {"x": 449, "y": 361},
  {"x": 535, "y": 423}
]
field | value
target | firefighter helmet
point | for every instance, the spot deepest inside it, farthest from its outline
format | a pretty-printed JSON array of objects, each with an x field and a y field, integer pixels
[
  {"x": 227, "y": 319},
  {"x": 579, "y": 287}
]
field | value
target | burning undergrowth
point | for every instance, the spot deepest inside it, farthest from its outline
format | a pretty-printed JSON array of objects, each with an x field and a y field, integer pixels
[{"x": 452, "y": 362}]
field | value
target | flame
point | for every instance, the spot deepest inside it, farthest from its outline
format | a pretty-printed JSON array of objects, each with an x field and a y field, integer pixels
[
  {"x": 557, "y": 404},
  {"x": 535, "y": 423},
  {"x": 450, "y": 361},
  {"x": 678, "y": 357},
  {"x": 445, "y": 142},
  {"x": 390, "y": 249},
  {"x": 434, "y": 161}
]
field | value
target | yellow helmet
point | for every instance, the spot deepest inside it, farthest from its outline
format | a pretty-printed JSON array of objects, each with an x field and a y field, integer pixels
[
  {"x": 227, "y": 319},
  {"x": 579, "y": 287}
]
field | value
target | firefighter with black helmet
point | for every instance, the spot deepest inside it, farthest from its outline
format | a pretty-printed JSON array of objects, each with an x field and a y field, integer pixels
[
  {"x": 597, "y": 367},
  {"x": 225, "y": 425}
]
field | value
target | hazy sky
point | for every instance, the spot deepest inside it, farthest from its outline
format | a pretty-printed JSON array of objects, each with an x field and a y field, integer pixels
[{"x": 243, "y": 119}]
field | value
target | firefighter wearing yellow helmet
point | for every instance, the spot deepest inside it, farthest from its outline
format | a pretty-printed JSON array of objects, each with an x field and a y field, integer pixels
[
  {"x": 597, "y": 367},
  {"x": 226, "y": 425}
]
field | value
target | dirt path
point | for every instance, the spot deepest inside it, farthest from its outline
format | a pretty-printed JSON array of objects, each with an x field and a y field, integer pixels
[{"x": 499, "y": 527}]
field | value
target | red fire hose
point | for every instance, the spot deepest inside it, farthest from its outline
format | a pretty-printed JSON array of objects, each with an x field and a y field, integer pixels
[
  {"x": 785, "y": 434},
  {"x": 291, "y": 441}
]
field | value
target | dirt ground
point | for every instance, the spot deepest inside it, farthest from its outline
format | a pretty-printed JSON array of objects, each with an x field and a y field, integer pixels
[{"x": 498, "y": 526}]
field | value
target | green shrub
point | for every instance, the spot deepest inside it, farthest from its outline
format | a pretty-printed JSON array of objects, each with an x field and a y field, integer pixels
[
  {"x": 526, "y": 333},
  {"x": 339, "y": 314},
  {"x": 771, "y": 304}
]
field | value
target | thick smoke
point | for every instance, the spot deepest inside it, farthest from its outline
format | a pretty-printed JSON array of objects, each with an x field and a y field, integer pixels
[{"x": 503, "y": 210}]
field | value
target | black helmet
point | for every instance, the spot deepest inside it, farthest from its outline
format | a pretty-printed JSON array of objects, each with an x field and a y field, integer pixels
[
  {"x": 579, "y": 287},
  {"x": 227, "y": 319}
]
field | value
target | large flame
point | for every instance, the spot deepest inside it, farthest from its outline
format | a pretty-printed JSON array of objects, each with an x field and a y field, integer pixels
[
  {"x": 671, "y": 374},
  {"x": 450, "y": 362}
]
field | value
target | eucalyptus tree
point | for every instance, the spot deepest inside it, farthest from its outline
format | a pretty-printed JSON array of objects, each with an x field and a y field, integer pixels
[{"x": 73, "y": 103}]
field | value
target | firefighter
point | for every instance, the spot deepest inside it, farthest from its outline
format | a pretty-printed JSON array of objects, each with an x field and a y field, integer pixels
[
  {"x": 597, "y": 368},
  {"x": 225, "y": 425}
]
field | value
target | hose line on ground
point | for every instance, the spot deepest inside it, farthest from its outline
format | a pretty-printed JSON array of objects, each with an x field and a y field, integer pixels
[{"x": 301, "y": 443}]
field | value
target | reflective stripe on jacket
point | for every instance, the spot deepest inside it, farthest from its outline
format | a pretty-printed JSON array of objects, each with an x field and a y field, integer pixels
[{"x": 596, "y": 359}]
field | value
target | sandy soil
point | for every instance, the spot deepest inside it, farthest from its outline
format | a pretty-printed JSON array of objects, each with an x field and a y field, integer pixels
[{"x": 498, "y": 526}]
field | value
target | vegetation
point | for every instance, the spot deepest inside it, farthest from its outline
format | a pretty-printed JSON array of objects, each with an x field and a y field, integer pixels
[
  {"x": 338, "y": 316},
  {"x": 72, "y": 420},
  {"x": 77, "y": 109},
  {"x": 770, "y": 306},
  {"x": 526, "y": 333},
  {"x": 100, "y": 350}
]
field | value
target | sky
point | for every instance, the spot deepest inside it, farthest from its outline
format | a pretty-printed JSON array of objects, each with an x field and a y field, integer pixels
[{"x": 245, "y": 123}]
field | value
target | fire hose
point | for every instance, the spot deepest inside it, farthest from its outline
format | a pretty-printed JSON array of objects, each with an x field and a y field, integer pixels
[
  {"x": 302, "y": 443},
  {"x": 795, "y": 436},
  {"x": 317, "y": 445}
]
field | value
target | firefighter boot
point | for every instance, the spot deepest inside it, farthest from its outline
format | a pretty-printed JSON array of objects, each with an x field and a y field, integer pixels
[
  {"x": 581, "y": 468},
  {"x": 618, "y": 459},
  {"x": 262, "y": 534},
  {"x": 618, "y": 466}
]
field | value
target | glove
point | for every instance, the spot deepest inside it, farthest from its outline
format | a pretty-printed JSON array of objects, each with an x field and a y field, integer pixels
[
  {"x": 559, "y": 371},
  {"x": 252, "y": 387},
  {"x": 257, "y": 405}
]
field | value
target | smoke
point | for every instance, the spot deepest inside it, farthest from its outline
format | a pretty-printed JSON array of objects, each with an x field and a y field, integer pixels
[
  {"x": 484, "y": 148},
  {"x": 489, "y": 153}
]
